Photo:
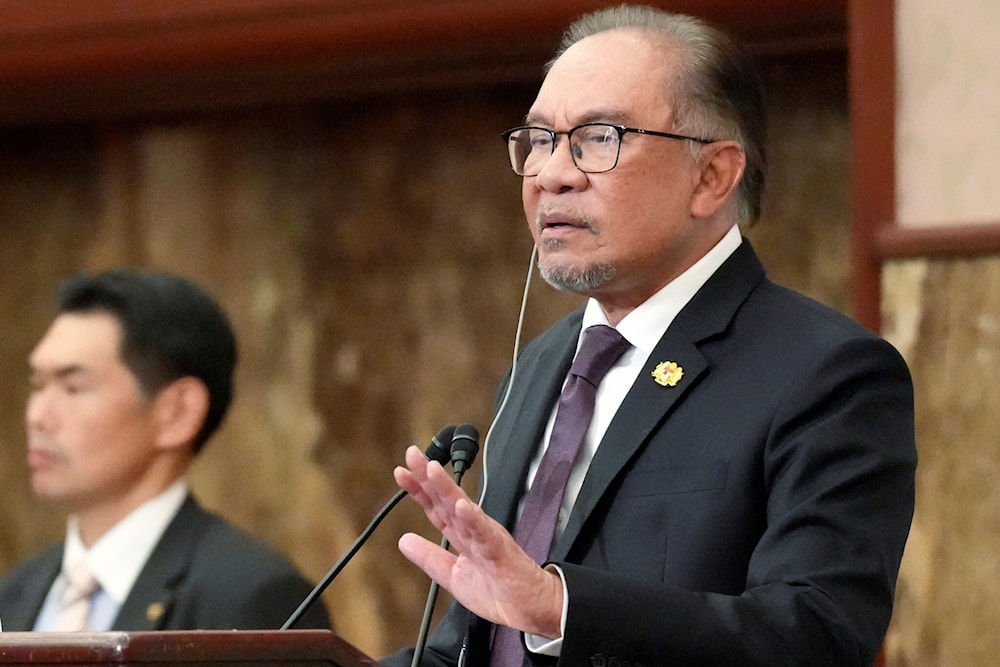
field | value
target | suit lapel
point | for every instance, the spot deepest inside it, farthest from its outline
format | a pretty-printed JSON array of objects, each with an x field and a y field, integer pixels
[
  {"x": 645, "y": 406},
  {"x": 648, "y": 403},
  {"x": 540, "y": 374},
  {"x": 151, "y": 599},
  {"x": 20, "y": 612}
]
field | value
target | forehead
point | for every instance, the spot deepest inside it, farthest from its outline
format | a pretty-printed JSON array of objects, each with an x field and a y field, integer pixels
[
  {"x": 618, "y": 75},
  {"x": 84, "y": 339}
]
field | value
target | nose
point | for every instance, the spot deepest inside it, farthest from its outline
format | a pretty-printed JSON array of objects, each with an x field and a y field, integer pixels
[
  {"x": 560, "y": 172},
  {"x": 37, "y": 411}
]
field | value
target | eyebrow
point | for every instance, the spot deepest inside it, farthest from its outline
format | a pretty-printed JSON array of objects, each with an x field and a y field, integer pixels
[
  {"x": 59, "y": 373},
  {"x": 615, "y": 116}
]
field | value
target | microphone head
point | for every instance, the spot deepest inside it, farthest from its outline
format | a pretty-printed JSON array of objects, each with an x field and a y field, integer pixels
[
  {"x": 464, "y": 447},
  {"x": 440, "y": 448}
]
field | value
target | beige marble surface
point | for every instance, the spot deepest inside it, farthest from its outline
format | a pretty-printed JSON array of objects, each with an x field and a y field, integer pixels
[{"x": 948, "y": 106}]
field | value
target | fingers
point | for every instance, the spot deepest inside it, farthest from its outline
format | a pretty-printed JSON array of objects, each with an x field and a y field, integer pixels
[
  {"x": 413, "y": 477},
  {"x": 476, "y": 532},
  {"x": 421, "y": 478},
  {"x": 430, "y": 486},
  {"x": 406, "y": 475},
  {"x": 431, "y": 558},
  {"x": 488, "y": 572},
  {"x": 450, "y": 510}
]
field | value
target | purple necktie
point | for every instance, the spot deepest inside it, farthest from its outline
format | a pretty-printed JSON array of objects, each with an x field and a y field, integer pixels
[{"x": 602, "y": 346}]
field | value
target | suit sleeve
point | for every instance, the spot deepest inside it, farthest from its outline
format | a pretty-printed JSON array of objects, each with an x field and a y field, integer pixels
[
  {"x": 270, "y": 602},
  {"x": 838, "y": 476},
  {"x": 229, "y": 581},
  {"x": 444, "y": 644}
]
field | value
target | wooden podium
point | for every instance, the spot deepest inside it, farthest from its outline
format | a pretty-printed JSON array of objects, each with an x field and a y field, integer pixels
[{"x": 200, "y": 648}]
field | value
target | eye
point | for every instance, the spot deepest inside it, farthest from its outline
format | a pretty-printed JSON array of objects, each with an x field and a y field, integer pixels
[
  {"x": 541, "y": 140},
  {"x": 74, "y": 383},
  {"x": 600, "y": 135},
  {"x": 71, "y": 388}
]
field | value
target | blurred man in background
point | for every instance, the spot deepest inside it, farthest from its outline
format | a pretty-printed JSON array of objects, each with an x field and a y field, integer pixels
[{"x": 130, "y": 381}]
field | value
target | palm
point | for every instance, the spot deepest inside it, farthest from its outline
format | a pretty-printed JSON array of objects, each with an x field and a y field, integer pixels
[{"x": 488, "y": 574}]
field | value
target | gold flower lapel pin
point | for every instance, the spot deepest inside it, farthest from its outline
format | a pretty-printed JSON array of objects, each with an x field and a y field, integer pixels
[{"x": 668, "y": 373}]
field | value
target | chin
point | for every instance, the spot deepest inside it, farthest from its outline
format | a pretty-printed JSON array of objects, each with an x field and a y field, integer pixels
[{"x": 577, "y": 278}]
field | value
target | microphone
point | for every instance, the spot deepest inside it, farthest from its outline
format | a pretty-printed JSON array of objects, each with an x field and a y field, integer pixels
[
  {"x": 464, "y": 447},
  {"x": 436, "y": 451},
  {"x": 440, "y": 448}
]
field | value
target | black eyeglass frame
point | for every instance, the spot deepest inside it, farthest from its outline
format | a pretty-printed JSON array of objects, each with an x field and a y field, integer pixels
[{"x": 621, "y": 129}]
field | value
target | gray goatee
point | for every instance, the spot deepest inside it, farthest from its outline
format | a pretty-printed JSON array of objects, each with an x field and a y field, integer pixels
[{"x": 578, "y": 279}]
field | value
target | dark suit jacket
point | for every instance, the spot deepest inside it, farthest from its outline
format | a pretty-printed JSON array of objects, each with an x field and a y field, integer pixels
[
  {"x": 753, "y": 514},
  {"x": 204, "y": 574}
]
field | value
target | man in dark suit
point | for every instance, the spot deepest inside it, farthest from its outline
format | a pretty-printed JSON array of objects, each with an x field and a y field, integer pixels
[
  {"x": 132, "y": 378},
  {"x": 745, "y": 486}
]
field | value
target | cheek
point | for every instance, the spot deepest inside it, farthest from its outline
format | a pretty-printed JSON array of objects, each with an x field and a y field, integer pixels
[
  {"x": 529, "y": 198},
  {"x": 113, "y": 451},
  {"x": 653, "y": 200},
  {"x": 107, "y": 429}
]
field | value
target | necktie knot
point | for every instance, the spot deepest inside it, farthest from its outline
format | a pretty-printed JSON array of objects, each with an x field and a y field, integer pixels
[
  {"x": 76, "y": 598},
  {"x": 80, "y": 583},
  {"x": 602, "y": 346}
]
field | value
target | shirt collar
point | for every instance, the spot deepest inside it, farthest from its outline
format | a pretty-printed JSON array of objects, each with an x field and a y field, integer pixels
[
  {"x": 645, "y": 326},
  {"x": 119, "y": 556}
]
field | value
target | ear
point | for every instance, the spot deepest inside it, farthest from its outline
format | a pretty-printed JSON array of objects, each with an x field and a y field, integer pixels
[
  {"x": 180, "y": 410},
  {"x": 721, "y": 168}
]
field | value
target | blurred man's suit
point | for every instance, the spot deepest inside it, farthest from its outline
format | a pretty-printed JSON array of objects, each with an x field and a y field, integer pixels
[{"x": 204, "y": 574}]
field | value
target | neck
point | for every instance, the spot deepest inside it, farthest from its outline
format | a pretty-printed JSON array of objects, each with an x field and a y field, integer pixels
[{"x": 97, "y": 519}]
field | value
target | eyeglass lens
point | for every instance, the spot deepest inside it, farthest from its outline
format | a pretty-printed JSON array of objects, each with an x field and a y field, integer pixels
[{"x": 594, "y": 148}]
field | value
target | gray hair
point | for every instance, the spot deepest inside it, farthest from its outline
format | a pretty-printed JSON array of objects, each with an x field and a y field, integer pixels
[{"x": 717, "y": 92}]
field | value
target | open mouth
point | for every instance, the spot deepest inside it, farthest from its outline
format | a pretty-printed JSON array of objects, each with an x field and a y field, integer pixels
[{"x": 560, "y": 222}]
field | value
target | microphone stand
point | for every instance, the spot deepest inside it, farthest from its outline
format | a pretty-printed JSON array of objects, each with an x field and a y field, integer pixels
[
  {"x": 425, "y": 623},
  {"x": 464, "y": 447}
]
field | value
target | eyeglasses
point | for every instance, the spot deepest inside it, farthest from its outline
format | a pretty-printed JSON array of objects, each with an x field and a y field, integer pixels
[{"x": 594, "y": 146}]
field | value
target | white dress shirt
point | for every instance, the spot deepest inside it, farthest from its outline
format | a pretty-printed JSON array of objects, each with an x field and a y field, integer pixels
[{"x": 116, "y": 559}]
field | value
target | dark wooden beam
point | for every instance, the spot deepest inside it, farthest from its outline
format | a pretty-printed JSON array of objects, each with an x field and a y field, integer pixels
[
  {"x": 872, "y": 103},
  {"x": 939, "y": 241},
  {"x": 66, "y": 60}
]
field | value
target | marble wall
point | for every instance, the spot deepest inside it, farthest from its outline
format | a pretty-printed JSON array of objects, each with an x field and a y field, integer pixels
[{"x": 948, "y": 103}]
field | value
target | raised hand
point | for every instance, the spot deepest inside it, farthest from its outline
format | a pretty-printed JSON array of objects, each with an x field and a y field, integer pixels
[{"x": 488, "y": 574}]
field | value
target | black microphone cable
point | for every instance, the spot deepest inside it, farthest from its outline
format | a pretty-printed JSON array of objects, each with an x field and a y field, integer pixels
[{"x": 436, "y": 451}]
